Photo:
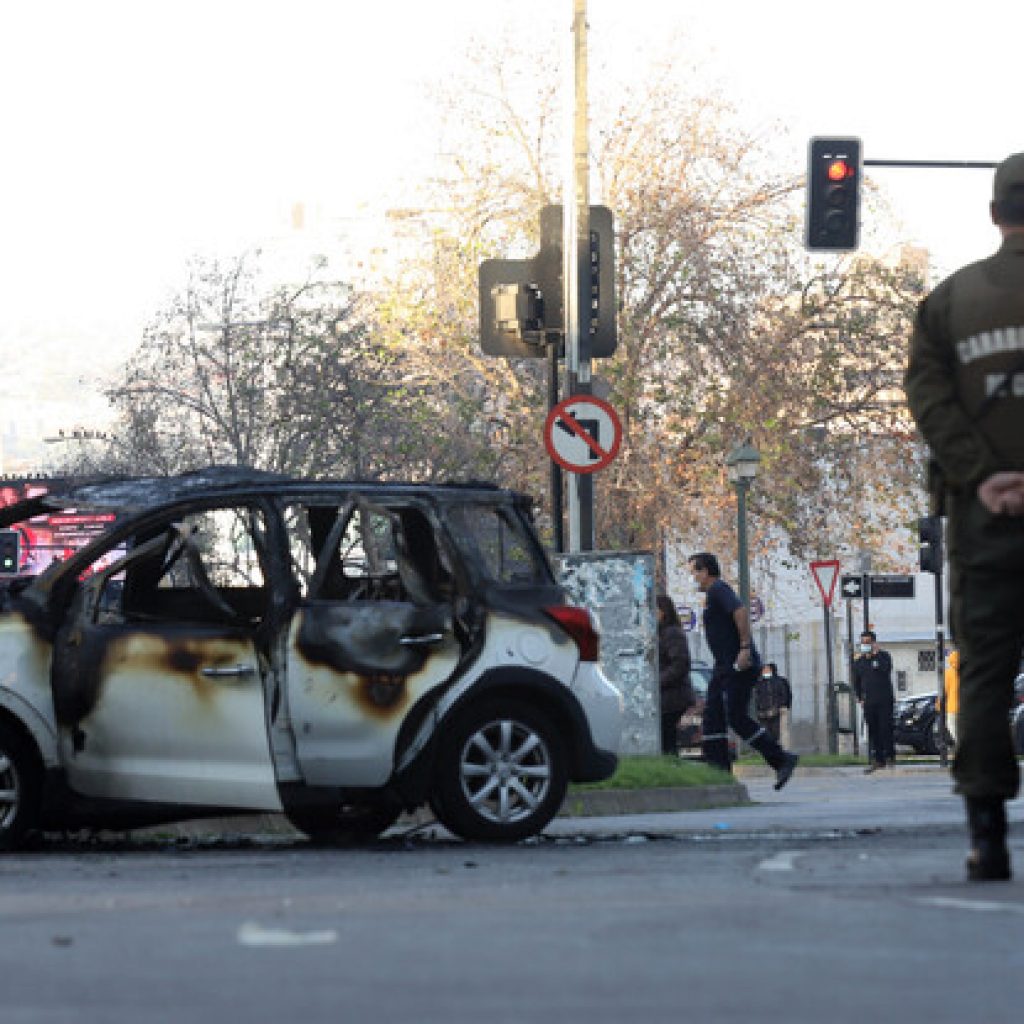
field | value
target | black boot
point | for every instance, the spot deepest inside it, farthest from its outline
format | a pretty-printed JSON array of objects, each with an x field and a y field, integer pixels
[{"x": 989, "y": 859}]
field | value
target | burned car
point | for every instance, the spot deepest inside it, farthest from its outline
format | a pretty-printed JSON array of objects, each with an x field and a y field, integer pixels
[{"x": 241, "y": 642}]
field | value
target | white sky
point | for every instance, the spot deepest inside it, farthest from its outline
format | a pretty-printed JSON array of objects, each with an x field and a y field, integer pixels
[{"x": 137, "y": 133}]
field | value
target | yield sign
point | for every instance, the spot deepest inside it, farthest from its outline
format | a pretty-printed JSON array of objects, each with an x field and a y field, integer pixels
[
  {"x": 825, "y": 575},
  {"x": 582, "y": 434}
]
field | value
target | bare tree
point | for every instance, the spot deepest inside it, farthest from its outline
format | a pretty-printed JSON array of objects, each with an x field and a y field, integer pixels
[{"x": 725, "y": 331}]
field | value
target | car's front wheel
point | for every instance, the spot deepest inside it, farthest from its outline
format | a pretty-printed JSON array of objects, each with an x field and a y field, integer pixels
[
  {"x": 20, "y": 788},
  {"x": 501, "y": 772}
]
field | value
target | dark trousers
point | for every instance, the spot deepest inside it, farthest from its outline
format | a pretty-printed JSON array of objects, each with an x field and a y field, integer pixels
[
  {"x": 773, "y": 726},
  {"x": 726, "y": 708},
  {"x": 878, "y": 718},
  {"x": 988, "y": 616},
  {"x": 670, "y": 733},
  {"x": 986, "y": 585}
]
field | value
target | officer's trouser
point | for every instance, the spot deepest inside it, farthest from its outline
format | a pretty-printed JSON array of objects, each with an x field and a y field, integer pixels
[
  {"x": 878, "y": 719},
  {"x": 987, "y": 617},
  {"x": 726, "y": 707}
]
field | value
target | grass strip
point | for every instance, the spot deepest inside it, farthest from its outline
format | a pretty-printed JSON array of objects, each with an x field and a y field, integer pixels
[{"x": 637, "y": 772}]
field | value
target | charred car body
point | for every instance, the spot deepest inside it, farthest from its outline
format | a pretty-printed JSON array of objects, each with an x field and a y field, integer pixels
[{"x": 338, "y": 652}]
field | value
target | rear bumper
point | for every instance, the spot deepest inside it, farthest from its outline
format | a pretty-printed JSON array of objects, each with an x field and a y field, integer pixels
[{"x": 603, "y": 707}]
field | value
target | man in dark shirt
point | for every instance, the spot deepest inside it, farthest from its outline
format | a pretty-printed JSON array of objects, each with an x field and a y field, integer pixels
[
  {"x": 727, "y": 631},
  {"x": 872, "y": 682}
]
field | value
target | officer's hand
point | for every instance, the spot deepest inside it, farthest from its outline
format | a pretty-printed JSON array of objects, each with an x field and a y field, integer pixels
[
  {"x": 1003, "y": 493},
  {"x": 744, "y": 659}
]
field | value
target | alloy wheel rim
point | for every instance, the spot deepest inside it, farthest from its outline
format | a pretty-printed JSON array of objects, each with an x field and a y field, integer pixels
[
  {"x": 505, "y": 768},
  {"x": 9, "y": 791}
]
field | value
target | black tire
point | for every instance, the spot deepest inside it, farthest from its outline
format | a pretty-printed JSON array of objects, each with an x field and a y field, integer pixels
[
  {"x": 1018, "y": 733},
  {"x": 501, "y": 772},
  {"x": 21, "y": 787},
  {"x": 932, "y": 741},
  {"x": 347, "y": 825}
]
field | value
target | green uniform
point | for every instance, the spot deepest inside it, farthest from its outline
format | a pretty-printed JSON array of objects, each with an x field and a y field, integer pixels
[{"x": 969, "y": 336}]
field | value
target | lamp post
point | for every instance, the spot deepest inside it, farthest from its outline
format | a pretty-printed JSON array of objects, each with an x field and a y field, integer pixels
[{"x": 741, "y": 464}]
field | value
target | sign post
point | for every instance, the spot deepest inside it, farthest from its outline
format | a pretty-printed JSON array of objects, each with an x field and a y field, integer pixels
[{"x": 825, "y": 576}]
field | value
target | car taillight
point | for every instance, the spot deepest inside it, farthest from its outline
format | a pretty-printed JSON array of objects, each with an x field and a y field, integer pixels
[{"x": 578, "y": 624}]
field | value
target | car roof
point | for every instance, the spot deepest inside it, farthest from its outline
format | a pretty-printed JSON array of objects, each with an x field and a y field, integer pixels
[{"x": 140, "y": 494}]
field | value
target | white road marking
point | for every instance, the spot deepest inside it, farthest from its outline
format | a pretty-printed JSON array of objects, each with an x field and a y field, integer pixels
[
  {"x": 784, "y": 860},
  {"x": 984, "y": 906},
  {"x": 252, "y": 934}
]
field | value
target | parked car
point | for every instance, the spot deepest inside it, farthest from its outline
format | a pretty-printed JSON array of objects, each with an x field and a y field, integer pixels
[
  {"x": 916, "y": 723},
  {"x": 1017, "y": 714},
  {"x": 238, "y": 641}
]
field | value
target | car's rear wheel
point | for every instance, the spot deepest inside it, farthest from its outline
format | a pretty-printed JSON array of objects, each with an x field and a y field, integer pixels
[
  {"x": 501, "y": 772},
  {"x": 20, "y": 787},
  {"x": 345, "y": 825}
]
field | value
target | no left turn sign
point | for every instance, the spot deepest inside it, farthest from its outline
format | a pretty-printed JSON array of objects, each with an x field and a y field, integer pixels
[{"x": 582, "y": 434}]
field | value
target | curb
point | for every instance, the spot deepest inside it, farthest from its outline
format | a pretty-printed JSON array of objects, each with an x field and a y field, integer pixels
[
  {"x": 586, "y": 803},
  {"x": 582, "y": 803}
]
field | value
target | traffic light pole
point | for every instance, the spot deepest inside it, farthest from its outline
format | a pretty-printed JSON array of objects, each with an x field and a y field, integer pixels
[
  {"x": 557, "y": 511},
  {"x": 577, "y": 295},
  {"x": 940, "y": 665},
  {"x": 850, "y": 656}
]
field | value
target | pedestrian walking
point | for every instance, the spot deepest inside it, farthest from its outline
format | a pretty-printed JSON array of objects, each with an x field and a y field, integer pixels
[
  {"x": 965, "y": 388},
  {"x": 872, "y": 683},
  {"x": 772, "y": 697},
  {"x": 673, "y": 672},
  {"x": 728, "y": 635}
]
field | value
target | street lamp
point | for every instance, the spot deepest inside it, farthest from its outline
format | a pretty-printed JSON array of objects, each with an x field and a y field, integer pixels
[{"x": 741, "y": 464}]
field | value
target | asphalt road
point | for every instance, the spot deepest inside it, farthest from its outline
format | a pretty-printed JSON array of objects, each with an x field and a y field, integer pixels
[{"x": 839, "y": 899}]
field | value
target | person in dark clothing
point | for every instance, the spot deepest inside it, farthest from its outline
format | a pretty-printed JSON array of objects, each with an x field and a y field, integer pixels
[
  {"x": 673, "y": 672},
  {"x": 727, "y": 631},
  {"x": 965, "y": 389},
  {"x": 872, "y": 683},
  {"x": 772, "y": 694}
]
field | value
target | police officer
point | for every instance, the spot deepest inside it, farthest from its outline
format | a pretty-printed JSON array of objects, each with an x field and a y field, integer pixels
[
  {"x": 965, "y": 387},
  {"x": 727, "y": 631},
  {"x": 872, "y": 683}
]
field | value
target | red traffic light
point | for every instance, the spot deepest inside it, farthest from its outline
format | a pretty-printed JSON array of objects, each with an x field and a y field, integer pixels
[{"x": 839, "y": 170}]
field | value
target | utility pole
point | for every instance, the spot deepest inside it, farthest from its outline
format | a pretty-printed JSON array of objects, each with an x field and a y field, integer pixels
[{"x": 577, "y": 276}]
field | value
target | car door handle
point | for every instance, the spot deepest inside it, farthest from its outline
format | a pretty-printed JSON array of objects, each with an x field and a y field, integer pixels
[
  {"x": 229, "y": 672},
  {"x": 423, "y": 638}
]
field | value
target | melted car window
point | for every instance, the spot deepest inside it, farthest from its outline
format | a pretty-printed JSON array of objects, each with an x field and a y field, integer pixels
[
  {"x": 365, "y": 552},
  {"x": 497, "y": 542},
  {"x": 203, "y": 567}
]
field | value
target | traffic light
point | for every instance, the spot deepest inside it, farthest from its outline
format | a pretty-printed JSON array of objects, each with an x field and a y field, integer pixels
[
  {"x": 511, "y": 310},
  {"x": 929, "y": 532},
  {"x": 548, "y": 266},
  {"x": 833, "y": 194},
  {"x": 10, "y": 551},
  {"x": 521, "y": 301}
]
